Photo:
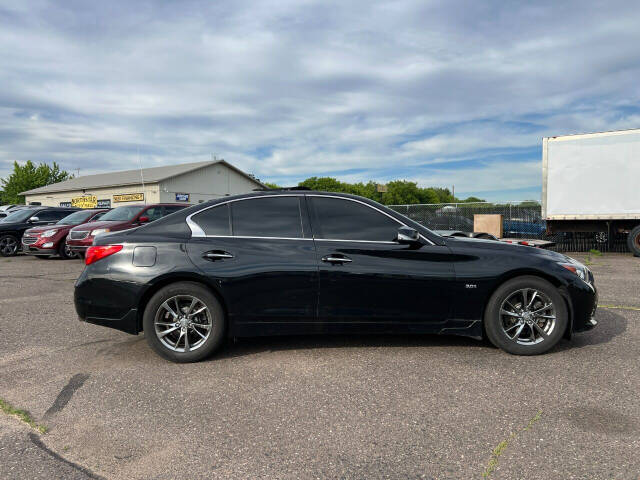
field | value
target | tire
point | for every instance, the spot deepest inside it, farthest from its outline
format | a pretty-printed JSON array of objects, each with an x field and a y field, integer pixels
[
  {"x": 64, "y": 252},
  {"x": 485, "y": 236},
  {"x": 9, "y": 245},
  {"x": 633, "y": 241},
  {"x": 520, "y": 333},
  {"x": 172, "y": 345}
]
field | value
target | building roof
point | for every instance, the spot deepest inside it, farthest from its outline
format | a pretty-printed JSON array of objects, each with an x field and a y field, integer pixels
[{"x": 132, "y": 177}]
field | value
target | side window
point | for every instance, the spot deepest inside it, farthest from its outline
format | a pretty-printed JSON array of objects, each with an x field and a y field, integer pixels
[
  {"x": 168, "y": 209},
  {"x": 51, "y": 215},
  {"x": 340, "y": 219},
  {"x": 154, "y": 213},
  {"x": 267, "y": 217},
  {"x": 97, "y": 216},
  {"x": 214, "y": 221}
]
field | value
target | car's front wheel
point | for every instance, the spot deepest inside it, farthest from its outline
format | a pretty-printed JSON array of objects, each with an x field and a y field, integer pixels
[
  {"x": 526, "y": 316},
  {"x": 9, "y": 245},
  {"x": 64, "y": 251},
  {"x": 184, "y": 322}
]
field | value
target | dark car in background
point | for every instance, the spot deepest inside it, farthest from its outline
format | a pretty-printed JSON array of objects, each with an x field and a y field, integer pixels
[
  {"x": 120, "y": 218},
  {"x": 15, "y": 224},
  {"x": 50, "y": 240},
  {"x": 294, "y": 262}
]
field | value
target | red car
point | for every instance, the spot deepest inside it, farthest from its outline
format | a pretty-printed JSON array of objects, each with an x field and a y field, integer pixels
[
  {"x": 49, "y": 240},
  {"x": 120, "y": 218}
]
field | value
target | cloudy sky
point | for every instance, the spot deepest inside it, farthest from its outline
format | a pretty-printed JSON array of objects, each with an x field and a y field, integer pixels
[{"x": 441, "y": 93}]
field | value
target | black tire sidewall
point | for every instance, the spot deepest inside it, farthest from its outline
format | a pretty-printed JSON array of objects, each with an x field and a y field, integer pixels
[
  {"x": 494, "y": 330},
  {"x": 17, "y": 245},
  {"x": 185, "y": 288},
  {"x": 631, "y": 241},
  {"x": 63, "y": 255}
]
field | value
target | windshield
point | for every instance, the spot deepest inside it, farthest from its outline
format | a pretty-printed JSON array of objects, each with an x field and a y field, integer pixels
[
  {"x": 121, "y": 213},
  {"x": 19, "y": 216},
  {"x": 76, "y": 218}
]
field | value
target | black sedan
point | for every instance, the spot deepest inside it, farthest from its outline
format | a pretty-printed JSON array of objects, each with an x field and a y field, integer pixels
[{"x": 301, "y": 262}]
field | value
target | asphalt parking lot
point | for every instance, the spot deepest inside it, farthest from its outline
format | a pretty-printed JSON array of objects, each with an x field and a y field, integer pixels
[{"x": 314, "y": 407}]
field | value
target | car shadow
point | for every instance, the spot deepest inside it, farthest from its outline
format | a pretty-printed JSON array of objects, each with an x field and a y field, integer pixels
[
  {"x": 255, "y": 345},
  {"x": 610, "y": 325}
]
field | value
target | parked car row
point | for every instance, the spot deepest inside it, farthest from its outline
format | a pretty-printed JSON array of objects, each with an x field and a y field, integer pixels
[{"x": 67, "y": 232}]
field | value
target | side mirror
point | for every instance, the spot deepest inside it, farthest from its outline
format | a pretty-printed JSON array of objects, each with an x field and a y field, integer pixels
[
  {"x": 408, "y": 235},
  {"x": 34, "y": 220},
  {"x": 143, "y": 219}
]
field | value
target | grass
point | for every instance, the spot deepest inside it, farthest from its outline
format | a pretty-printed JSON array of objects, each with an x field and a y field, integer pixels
[
  {"x": 23, "y": 415},
  {"x": 596, "y": 253},
  {"x": 502, "y": 446}
]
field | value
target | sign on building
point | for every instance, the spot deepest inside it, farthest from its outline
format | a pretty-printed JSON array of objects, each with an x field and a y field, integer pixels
[
  {"x": 65, "y": 204},
  {"x": 104, "y": 203},
  {"x": 129, "y": 197},
  {"x": 86, "y": 201},
  {"x": 182, "y": 197}
]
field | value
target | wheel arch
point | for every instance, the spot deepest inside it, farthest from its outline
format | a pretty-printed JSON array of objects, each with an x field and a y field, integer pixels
[
  {"x": 531, "y": 272},
  {"x": 176, "y": 277}
]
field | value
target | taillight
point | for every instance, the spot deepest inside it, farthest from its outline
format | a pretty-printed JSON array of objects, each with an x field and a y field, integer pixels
[{"x": 100, "y": 251}]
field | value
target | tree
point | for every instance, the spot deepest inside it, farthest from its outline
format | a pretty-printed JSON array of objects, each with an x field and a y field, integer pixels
[
  {"x": 29, "y": 176},
  {"x": 272, "y": 185},
  {"x": 399, "y": 192},
  {"x": 472, "y": 200}
]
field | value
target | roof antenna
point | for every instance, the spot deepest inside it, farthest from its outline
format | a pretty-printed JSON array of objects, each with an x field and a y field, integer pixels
[{"x": 144, "y": 197}]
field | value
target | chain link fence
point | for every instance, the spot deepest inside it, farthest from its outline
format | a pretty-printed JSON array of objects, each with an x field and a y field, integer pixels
[{"x": 520, "y": 220}]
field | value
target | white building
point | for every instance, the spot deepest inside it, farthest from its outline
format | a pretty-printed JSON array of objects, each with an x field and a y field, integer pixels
[{"x": 185, "y": 183}]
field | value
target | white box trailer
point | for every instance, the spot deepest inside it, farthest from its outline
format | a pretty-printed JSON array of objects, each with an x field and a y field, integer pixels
[{"x": 591, "y": 183}]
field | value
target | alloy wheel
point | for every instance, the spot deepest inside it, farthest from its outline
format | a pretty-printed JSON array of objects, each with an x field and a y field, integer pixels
[
  {"x": 8, "y": 246},
  {"x": 68, "y": 252},
  {"x": 183, "y": 323},
  {"x": 527, "y": 316}
]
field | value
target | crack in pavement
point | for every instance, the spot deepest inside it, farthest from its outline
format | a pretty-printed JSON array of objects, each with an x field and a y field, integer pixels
[
  {"x": 66, "y": 393},
  {"x": 502, "y": 446},
  {"x": 35, "y": 439}
]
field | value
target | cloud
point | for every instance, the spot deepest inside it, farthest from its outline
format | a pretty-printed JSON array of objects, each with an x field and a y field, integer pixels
[{"x": 439, "y": 92}]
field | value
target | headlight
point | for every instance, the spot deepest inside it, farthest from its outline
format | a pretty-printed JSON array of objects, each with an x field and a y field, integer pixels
[
  {"x": 49, "y": 233},
  {"x": 577, "y": 268},
  {"x": 98, "y": 231}
]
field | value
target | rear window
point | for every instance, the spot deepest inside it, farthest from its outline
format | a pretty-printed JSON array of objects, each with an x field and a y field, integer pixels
[
  {"x": 267, "y": 217},
  {"x": 214, "y": 221}
]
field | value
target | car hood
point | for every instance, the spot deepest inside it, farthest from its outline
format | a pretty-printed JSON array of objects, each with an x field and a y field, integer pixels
[
  {"x": 512, "y": 248},
  {"x": 44, "y": 228},
  {"x": 111, "y": 225}
]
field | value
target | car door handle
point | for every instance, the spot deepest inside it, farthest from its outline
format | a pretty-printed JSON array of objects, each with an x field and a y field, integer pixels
[
  {"x": 336, "y": 259},
  {"x": 217, "y": 255}
]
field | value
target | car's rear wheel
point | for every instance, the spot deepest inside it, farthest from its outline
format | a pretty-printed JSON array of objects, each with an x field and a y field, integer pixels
[
  {"x": 184, "y": 322},
  {"x": 8, "y": 245},
  {"x": 64, "y": 251},
  {"x": 526, "y": 316}
]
